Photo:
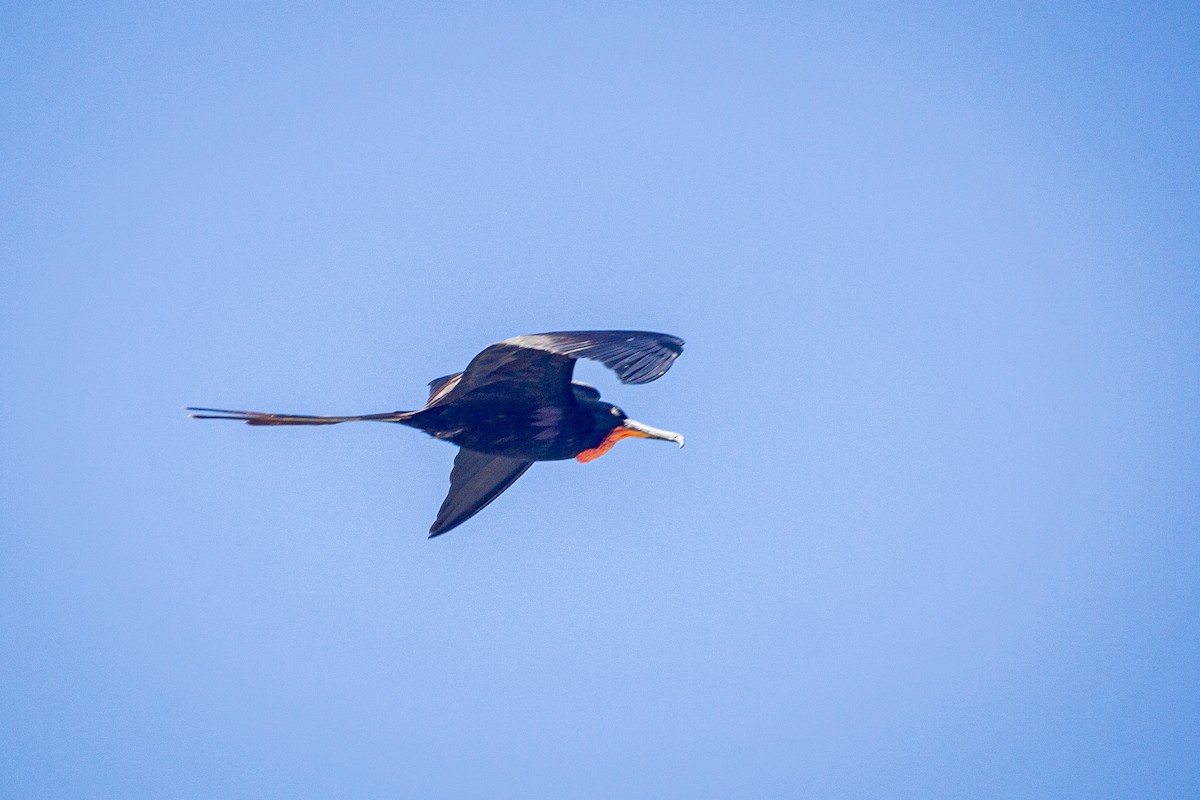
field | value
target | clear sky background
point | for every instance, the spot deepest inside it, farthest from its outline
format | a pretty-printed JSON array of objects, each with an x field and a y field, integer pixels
[{"x": 934, "y": 534}]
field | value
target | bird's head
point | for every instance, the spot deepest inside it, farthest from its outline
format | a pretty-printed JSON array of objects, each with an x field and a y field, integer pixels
[{"x": 610, "y": 425}]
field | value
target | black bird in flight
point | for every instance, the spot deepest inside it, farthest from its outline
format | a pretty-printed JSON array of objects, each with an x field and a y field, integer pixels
[{"x": 516, "y": 404}]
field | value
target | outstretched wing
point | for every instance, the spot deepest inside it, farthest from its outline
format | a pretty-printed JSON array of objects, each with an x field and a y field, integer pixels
[
  {"x": 540, "y": 365},
  {"x": 636, "y": 356},
  {"x": 476, "y": 480}
]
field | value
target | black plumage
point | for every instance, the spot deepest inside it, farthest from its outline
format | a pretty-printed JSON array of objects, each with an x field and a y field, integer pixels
[{"x": 515, "y": 404}]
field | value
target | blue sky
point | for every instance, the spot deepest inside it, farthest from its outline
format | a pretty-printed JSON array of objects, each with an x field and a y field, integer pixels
[{"x": 934, "y": 533}]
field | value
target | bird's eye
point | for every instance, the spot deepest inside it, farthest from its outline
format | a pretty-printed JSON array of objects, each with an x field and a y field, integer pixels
[{"x": 616, "y": 412}]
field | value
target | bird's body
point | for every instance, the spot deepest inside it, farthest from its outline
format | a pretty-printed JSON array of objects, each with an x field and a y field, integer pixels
[
  {"x": 507, "y": 426},
  {"x": 515, "y": 404}
]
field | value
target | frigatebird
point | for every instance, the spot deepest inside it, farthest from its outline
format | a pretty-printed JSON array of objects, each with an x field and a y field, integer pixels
[{"x": 515, "y": 404}]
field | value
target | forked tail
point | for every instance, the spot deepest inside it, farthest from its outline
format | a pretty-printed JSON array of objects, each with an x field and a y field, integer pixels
[{"x": 262, "y": 418}]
